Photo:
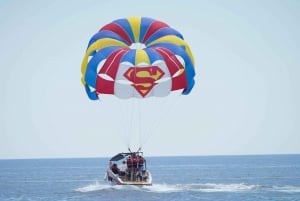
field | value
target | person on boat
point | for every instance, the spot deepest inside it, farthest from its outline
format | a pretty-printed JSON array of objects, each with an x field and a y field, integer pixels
[
  {"x": 140, "y": 167},
  {"x": 115, "y": 169},
  {"x": 129, "y": 162},
  {"x": 141, "y": 161},
  {"x": 135, "y": 162},
  {"x": 134, "y": 159},
  {"x": 123, "y": 168},
  {"x": 129, "y": 168}
]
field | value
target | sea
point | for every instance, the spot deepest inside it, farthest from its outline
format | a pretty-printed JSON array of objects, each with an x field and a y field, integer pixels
[{"x": 206, "y": 178}]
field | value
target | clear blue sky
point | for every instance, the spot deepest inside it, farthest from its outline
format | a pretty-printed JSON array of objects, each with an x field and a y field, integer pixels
[{"x": 245, "y": 101}]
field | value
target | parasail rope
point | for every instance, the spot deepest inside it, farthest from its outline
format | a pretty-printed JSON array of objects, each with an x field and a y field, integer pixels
[{"x": 168, "y": 104}]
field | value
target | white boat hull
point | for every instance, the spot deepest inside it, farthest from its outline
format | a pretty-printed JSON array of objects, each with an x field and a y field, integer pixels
[{"x": 124, "y": 180}]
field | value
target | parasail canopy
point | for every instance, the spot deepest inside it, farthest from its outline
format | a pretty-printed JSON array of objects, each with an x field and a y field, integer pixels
[{"x": 137, "y": 57}]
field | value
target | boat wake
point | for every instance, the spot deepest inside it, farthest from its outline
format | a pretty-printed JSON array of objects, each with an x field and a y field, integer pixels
[
  {"x": 102, "y": 187},
  {"x": 96, "y": 187},
  {"x": 212, "y": 187},
  {"x": 207, "y": 187},
  {"x": 286, "y": 189}
]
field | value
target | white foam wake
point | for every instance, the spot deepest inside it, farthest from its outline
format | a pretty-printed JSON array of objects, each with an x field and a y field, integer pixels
[
  {"x": 100, "y": 187},
  {"x": 286, "y": 189},
  {"x": 93, "y": 187},
  {"x": 208, "y": 187}
]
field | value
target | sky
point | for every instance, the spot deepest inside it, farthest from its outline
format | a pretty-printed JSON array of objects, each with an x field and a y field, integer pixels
[{"x": 245, "y": 100}]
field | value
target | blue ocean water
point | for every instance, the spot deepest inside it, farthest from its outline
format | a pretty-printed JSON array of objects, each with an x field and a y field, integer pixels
[{"x": 226, "y": 178}]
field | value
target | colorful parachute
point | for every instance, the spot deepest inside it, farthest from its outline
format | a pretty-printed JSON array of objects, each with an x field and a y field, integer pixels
[{"x": 137, "y": 57}]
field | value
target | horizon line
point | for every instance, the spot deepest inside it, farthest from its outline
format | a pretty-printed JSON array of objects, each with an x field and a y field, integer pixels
[{"x": 149, "y": 156}]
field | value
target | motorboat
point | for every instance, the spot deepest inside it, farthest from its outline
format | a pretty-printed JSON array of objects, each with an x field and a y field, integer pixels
[{"x": 128, "y": 169}]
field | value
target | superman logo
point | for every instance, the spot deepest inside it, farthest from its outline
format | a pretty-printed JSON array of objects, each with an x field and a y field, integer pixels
[{"x": 143, "y": 78}]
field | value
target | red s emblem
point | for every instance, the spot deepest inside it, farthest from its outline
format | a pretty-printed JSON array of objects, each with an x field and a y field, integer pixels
[{"x": 143, "y": 78}]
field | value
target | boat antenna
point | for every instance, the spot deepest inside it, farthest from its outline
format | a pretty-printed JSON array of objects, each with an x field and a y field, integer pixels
[{"x": 129, "y": 149}]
